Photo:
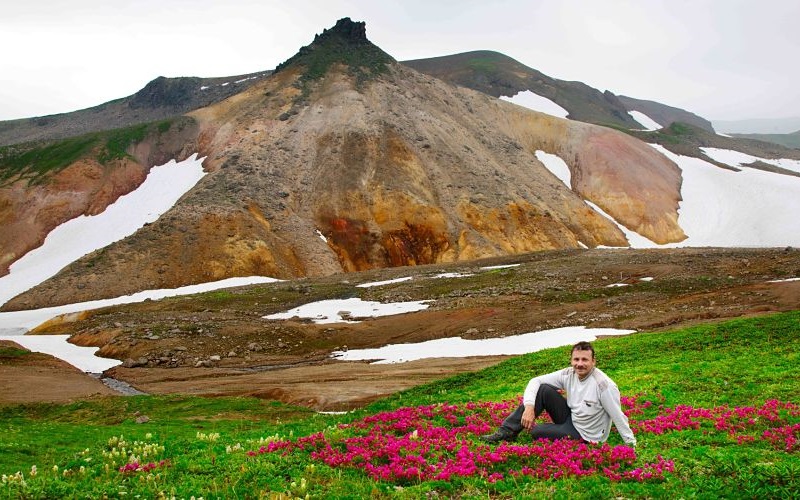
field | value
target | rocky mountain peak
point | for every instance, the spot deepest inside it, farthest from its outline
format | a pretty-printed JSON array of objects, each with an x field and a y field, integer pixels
[
  {"x": 351, "y": 31},
  {"x": 169, "y": 92},
  {"x": 345, "y": 43}
]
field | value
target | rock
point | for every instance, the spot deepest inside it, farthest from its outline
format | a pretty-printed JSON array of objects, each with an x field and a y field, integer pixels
[
  {"x": 142, "y": 419},
  {"x": 215, "y": 357},
  {"x": 232, "y": 354},
  {"x": 255, "y": 347},
  {"x": 135, "y": 363},
  {"x": 472, "y": 331}
]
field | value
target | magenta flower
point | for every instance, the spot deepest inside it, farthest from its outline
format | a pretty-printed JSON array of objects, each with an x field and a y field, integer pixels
[{"x": 438, "y": 442}]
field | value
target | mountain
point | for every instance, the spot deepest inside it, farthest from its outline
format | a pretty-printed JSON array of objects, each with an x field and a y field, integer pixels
[
  {"x": 160, "y": 99},
  {"x": 759, "y": 125},
  {"x": 342, "y": 160},
  {"x": 788, "y": 140},
  {"x": 393, "y": 167},
  {"x": 665, "y": 115},
  {"x": 498, "y": 75}
]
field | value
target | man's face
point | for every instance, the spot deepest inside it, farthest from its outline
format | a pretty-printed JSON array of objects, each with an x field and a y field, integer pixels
[{"x": 582, "y": 362}]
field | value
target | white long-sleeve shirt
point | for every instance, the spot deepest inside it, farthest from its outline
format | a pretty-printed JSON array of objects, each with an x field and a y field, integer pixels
[{"x": 594, "y": 402}]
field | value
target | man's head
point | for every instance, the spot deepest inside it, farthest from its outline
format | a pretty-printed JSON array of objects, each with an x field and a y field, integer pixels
[{"x": 582, "y": 359}]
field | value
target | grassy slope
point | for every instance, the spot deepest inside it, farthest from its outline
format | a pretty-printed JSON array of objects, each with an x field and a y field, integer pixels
[
  {"x": 738, "y": 363},
  {"x": 37, "y": 161}
]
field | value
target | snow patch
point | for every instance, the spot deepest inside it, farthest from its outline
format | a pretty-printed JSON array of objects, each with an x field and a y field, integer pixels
[
  {"x": 787, "y": 280},
  {"x": 82, "y": 358},
  {"x": 503, "y": 266},
  {"x": 737, "y": 159},
  {"x": 18, "y": 322},
  {"x": 14, "y": 325},
  {"x": 645, "y": 121},
  {"x": 453, "y": 275},
  {"x": 386, "y": 282},
  {"x": 338, "y": 310},
  {"x": 529, "y": 100},
  {"x": 635, "y": 240},
  {"x": 556, "y": 166},
  {"x": 749, "y": 208},
  {"x": 164, "y": 185},
  {"x": 457, "y": 347}
]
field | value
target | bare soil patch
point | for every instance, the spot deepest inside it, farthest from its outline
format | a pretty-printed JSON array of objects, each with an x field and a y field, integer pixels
[
  {"x": 29, "y": 377},
  {"x": 220, "y": 344}
]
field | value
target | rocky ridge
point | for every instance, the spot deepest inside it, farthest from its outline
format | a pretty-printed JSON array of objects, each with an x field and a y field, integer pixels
[{"x": 344, "y": 160}]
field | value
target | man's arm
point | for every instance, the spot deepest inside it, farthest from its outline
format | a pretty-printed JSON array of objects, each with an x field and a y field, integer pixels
[
  {"x": 529, "y": 397},
  {"x": 611, "y": 404},
  {"x": 555, "y": 379}
]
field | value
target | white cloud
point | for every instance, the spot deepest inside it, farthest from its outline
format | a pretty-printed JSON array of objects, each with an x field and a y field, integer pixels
[{"x": 721, "y": 59}]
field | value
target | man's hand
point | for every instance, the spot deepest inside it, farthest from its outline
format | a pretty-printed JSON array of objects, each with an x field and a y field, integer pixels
[{"x": 528, "y": 416}]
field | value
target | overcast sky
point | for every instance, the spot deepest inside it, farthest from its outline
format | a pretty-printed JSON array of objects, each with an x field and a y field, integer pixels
[{"x": 722, "y": 59}]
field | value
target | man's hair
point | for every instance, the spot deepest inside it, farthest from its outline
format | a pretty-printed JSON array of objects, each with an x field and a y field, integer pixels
[{"x": 583, "y": 346}]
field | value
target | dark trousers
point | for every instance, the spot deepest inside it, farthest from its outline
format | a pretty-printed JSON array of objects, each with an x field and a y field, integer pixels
[{"x": 547, "y": 399}]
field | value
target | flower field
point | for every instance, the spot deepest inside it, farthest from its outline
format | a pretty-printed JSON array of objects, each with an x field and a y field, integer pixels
[{"x": 713, "y": 407}]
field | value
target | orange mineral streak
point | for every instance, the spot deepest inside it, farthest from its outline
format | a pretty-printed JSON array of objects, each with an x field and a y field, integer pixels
[
  {"x": 395, "y": 231},
  {"x": 517, "y": 228}
]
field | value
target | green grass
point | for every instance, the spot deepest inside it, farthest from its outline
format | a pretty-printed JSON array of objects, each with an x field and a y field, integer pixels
[
  {"x": 737, "y": 363},
  {"x": 486, "y": 65},
  {"x": 11, "y": 352},
  {"x": 37, "y": 161}
]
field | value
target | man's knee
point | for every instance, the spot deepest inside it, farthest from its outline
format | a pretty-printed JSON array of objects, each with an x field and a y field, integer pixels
[
  {"x": 553, "y": 402},
  {"x": 549, "y": 389},
  {"x": 546, "y": 393}
]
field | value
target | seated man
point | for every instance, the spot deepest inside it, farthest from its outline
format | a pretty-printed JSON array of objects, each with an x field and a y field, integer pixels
[{"x": 592, "y": 403}]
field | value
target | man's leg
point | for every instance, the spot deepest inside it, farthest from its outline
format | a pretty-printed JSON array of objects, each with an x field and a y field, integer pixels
[
  {"x": 547, "y": 399},
  {"x": 508, "y": 430},
  {"x": 550, "y": 400}
]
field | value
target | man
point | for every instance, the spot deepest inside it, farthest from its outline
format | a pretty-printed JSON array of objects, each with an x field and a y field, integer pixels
[{"x": 591, "y": 404}]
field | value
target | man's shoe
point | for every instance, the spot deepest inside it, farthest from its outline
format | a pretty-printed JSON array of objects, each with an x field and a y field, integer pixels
[{"x": 499, "y": 435}]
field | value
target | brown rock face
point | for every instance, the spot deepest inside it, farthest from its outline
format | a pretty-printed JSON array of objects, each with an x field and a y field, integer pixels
[
  {"x": 399, "y": 170},
  {"x": 29, "y": 213},
  {"x": 632, "y": 182}
]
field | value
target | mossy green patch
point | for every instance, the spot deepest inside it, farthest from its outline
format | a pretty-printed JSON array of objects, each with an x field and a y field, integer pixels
[
  {"x": 36, "y": 161},
  {"x": 11, "y": 353}
]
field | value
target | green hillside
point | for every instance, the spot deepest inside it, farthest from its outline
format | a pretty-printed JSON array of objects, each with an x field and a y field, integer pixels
[
  {"x": 714, "y": 407},
  {"x": 788, "y": 140}
]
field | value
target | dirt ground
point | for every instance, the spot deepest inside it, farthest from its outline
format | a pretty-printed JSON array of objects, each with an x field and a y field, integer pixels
[
  {"x": 39, "y": 377},
  {"x": 220, "y": 344}
]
